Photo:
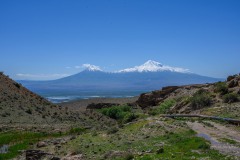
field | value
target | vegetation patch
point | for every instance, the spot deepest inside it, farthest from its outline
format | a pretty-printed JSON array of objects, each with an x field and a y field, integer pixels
[
  {"x": 184, "y": 144},
  {"x": 163, "y": 108},
  {"x": 221, "y": 87},
  {"x": 122, "y": 114},
  {"x": 20, "y": 141},
  {"x": 230, "y": 141},
  {"x": 230, "y": 98},
  {"x": 200, "y": 99},
  {"x": 77, "y": 130}
]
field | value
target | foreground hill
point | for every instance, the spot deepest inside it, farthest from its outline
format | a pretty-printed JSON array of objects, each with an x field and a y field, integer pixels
[
  {"x": 21, "y": 108},
  {"x": 217, "y": 96}
]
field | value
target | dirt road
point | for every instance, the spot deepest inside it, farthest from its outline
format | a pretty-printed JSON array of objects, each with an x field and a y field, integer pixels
[{"x": 224, "y": 139}]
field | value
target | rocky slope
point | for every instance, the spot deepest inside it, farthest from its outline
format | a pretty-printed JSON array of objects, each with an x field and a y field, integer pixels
[
  {"x": 194, "y": 98},
  {"x": 21, "y": 108}
]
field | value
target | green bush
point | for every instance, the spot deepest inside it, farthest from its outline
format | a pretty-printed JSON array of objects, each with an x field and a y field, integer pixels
[
  {"x": 113, "y": 112},
  {"x": 129, "y": 156},
  {"x": 221, "y": 87},
  {"x": 129, "y": 117},
  {"x": 204, "y": 146},
  {"x": 112, "y": 130},
  {"x": 163, "y": 108},
  {"x": 200, "y": 99},
  {"x": 120, "y": 113},
  {"x": 76, "y": 130},
  {"x": 20, "y": 141},
  {"x": 230, "y": 98}
]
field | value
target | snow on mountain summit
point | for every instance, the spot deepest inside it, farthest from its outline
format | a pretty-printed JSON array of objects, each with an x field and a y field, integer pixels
[
  {"x": 90, "y": 67},
  {"x": 153, "y": 66},
  {"x": 149, "y": 66}
]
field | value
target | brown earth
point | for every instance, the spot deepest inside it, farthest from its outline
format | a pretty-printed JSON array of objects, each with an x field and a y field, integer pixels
[{"x": 22, "y": 109}]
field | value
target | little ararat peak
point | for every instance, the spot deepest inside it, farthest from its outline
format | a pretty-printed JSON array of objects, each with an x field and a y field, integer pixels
[{"x": 90, "y": 67}]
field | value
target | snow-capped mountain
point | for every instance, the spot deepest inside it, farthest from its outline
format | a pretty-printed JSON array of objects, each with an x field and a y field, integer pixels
[
  {"x": 153, "y": 66},
  {"x": 151, "y": 75},
  {"x": 90, "y": 67}
]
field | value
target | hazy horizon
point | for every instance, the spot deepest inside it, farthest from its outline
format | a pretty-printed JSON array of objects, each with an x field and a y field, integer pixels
[{"x": 92, "y": 68}]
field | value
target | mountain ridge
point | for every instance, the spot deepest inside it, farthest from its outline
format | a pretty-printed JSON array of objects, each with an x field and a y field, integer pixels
[
  {"x": 99, "y": 82},
  {"x": 93, "y": 81}
]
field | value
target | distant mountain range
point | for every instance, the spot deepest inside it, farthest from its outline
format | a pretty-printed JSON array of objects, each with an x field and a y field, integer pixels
[{"x": 149, "y": 76}]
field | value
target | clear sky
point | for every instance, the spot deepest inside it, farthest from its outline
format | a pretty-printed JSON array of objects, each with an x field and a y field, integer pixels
[{"x": 46, "y": 39}]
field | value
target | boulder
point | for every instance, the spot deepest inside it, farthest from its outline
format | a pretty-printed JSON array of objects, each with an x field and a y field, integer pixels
[
  {"x": 154, "y": 98},
  {"x": 41, "y": 144},
  {"x": 229, "y": 78}
]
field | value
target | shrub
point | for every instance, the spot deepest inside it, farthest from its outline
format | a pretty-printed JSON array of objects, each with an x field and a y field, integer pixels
[
  {"x": 200, "y": 99},
  {"x": 163, "y": 108},
  {"x": 113, "y": 112},
  {"x": 123, "y": 114},
  {"x": 94, "y": 133},
  {"x": 112, "y": 130},
  {"x": 230, "y": 98},
  {"x": 221, "y": 87},
  {"x": 153, "y": 112},
  {"x": 129, "y": 117},
  {"x": 160, "y": 150},
  {"x": 166, "y": 105},
  {"x": 76, "y": 130},
  {"x": 129, "y": 157},
  {"x": 29, "y": 111},
  {"x": 17, "y": 85},
  {"x": 204, "y": 146}
]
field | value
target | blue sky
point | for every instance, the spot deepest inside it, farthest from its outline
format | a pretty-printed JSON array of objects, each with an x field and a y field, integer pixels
[{"x": 42, "y": 39}]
